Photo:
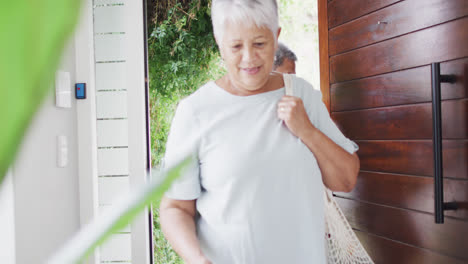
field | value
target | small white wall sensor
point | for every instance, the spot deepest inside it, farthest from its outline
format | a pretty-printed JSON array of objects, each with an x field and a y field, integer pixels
[
  {"x": 62, "y": 151},
  {"x": 62, "y": 89}
]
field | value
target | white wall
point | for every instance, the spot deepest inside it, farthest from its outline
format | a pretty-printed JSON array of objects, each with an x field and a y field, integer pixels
[
  {"x": 7, "y": 221},
  {"x": 45, "y": 196}
]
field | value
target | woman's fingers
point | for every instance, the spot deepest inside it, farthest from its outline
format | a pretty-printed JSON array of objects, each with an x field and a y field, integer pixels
[
  {"x": 288, "y": 105},
  {"x": 292, "y": 111}
]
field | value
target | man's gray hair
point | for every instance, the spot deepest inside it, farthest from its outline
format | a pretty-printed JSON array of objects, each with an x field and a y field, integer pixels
[
  {"x": 283, "y": 52},
  {"x": 262, "y": 13}
]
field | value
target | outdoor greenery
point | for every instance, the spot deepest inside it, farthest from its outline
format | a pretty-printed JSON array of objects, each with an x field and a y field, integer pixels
[{"x": 183, "y": 56}]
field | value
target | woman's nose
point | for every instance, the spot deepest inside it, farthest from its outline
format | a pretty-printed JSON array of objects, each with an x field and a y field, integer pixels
[{"x": 248, "y": 54}]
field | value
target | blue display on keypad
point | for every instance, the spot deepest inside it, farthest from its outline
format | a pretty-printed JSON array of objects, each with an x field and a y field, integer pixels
[{"x": 80, "y": 91}]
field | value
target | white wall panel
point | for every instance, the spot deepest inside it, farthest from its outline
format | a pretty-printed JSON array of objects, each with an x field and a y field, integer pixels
[
  {"x": 117, "y": 248},
  {"x": 86, "y": 121},
  {"x": 7, "y": 220},
  {"x": 109, "y": 47},
  {"x": 112, "y": 133},
  {"x": 104, "y": 208},
  {"x": 109, "y": 19},
  {"x": 120, "y": 81},
  {"x": 109, "y": 2},
  {"x": 110, "y": 76},
  {"x": 113, "y": 161},
  {"x": 46, "y": 197},
  {"x": 111, "y": 104},
  {"x": 141, "y": 248},
  {"x": 111, "y": 188}
]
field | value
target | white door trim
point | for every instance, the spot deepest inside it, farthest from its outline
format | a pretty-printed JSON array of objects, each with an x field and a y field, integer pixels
[
  {"x": 86, "y": 117},
  {"x": 137, "y": 114}
]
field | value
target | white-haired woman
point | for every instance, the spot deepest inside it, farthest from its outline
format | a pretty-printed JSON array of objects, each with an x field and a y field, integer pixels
[{"x": 256, "y": 192}]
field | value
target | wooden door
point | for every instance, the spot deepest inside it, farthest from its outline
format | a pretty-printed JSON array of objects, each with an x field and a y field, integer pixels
[{"x": 376, "y": 81}]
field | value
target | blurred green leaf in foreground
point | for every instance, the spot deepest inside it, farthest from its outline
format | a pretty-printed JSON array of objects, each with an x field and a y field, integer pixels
[
  {"x": 117, "y": 217},
  {"x": 33, "y": 36}
]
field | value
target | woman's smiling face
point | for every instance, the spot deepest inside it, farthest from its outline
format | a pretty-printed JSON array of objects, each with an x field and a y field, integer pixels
[{"x": 248, "y": 52}]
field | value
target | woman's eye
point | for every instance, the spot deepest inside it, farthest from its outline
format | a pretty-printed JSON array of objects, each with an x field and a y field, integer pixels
[
  {"x": 237, "y": 46},
  {"x": 259, "y": 44}
]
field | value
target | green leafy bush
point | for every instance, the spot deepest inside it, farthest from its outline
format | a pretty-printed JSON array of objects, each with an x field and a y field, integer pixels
[{"x": 183, "y": 56}]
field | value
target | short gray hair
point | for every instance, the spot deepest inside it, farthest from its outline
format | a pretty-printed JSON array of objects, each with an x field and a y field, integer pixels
[
  {"x": 263, "y": 13},
  {"x": 283, "y": 52}
]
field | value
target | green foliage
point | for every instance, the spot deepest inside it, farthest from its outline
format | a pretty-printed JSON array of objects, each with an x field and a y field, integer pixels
[
  {"x": 121, "y": 215},
  {"x": 183, "y": 56},
  {"x": 33, "y": 35}
]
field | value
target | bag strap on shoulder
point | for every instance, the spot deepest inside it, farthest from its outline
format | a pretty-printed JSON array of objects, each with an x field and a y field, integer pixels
[{"x": 288, "y": 84}]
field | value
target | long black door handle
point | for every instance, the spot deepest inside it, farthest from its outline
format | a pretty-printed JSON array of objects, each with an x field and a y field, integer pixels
[{"x": 439, "y": 205}]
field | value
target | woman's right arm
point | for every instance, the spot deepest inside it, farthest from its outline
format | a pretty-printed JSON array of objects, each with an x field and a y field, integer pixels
[{"x": 177, "y": 219}]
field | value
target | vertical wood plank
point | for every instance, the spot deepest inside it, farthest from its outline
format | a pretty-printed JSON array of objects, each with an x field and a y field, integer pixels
[{"x": 323, "y": 52}]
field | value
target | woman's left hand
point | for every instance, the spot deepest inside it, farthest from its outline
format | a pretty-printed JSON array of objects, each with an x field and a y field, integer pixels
[{"x": 292, "y": 111}]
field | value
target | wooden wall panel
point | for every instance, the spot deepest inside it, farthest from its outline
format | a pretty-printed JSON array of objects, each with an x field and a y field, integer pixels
[
  {"x": 383, "y": 251},
  {"x": 401, "y": 87},
  {"x": 344, "y": 11},
  {"x": 409, "y": 227},
  {"x": 395, "y": 20},
  {"x": 436, "y": 44},
  {"x": 404, "y": 122},
  {"x": 414, "y": 192},
  {"x": 413, "y": 157},
  {"x": 380, "y": 96},
  {"x": 323, "y": 52}
]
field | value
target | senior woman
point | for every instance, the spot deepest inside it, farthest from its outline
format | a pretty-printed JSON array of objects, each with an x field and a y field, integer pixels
[{"x": 255, "y": 194}]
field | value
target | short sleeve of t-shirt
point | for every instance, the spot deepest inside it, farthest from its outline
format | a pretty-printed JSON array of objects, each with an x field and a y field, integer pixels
[
  {"x": 321, "y": 118},
  {"x": 329, "y": 128},
  {"x": 182, "y": 141}
]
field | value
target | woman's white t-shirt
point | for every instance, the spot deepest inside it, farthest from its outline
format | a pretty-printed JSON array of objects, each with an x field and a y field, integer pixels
[{"x": 259, "y": 189}]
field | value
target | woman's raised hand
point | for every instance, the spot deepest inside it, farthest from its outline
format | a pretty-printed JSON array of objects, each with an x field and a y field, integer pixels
[{"x": 292, "y": 111}]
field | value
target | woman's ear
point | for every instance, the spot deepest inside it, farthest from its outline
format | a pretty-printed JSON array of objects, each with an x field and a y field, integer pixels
[{"x": 278, "y": 34}]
